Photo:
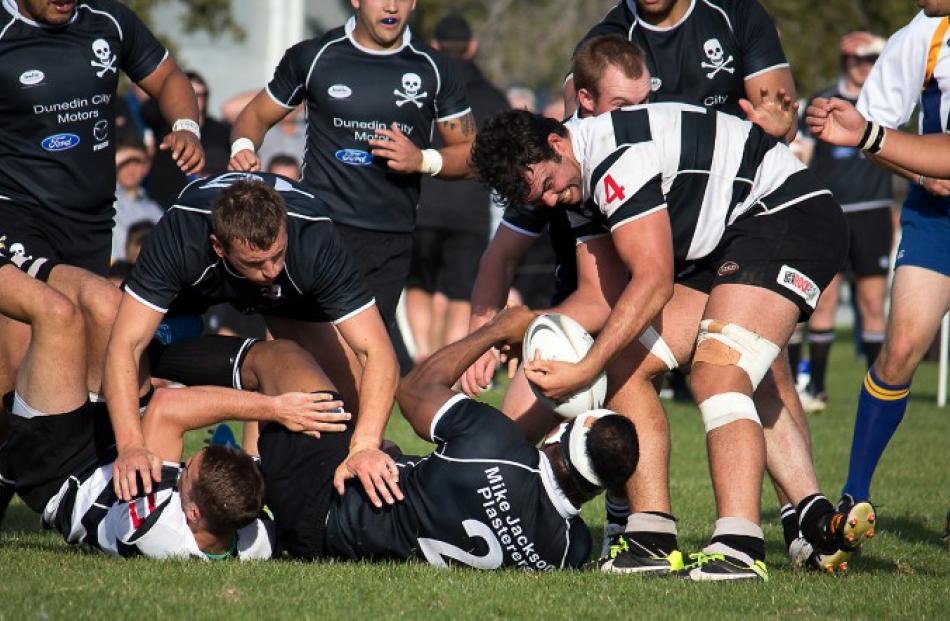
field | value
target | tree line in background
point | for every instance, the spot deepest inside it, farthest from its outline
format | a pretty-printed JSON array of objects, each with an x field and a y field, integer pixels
[{"x": 529, "y": 42}]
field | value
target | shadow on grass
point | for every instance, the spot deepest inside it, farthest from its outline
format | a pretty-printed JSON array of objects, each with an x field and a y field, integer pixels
[{"x": 19, "y": 517}]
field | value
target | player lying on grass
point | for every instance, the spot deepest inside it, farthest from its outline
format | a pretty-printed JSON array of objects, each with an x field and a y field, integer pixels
[
  {"x": 60, "y": 448},
  {"x": 683, "y": 193},
  {"x": 485, "y": 498}
]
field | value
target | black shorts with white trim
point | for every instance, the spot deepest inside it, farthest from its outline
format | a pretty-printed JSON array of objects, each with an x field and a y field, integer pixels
[
  {"x": 213, "y": 360},
  {"x": 794, "y": 252}
]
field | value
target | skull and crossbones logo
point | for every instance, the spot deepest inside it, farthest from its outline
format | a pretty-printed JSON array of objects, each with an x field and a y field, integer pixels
[
  {"x": 411, "y": 83},
  {"x": 714, "y": 52},
  {"x": 18, "y": 255},
  {"x": 106, "y": 62}
]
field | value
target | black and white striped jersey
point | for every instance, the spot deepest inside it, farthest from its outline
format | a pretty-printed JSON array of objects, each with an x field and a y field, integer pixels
[
  {"x": 485, "y": 498},
  {"x": 87, "y": 512},
  {"x": 707, "y": 169}
]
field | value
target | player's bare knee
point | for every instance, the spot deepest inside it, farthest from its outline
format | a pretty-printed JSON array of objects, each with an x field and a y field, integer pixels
[
  {"x": 897, "y": 361},
  {"x": 57, "y": 310},
  {"x": 99, "y": 301}
]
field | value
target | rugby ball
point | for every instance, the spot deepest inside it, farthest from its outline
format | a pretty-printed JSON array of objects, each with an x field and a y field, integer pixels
[{"x": 558, "y": 337}]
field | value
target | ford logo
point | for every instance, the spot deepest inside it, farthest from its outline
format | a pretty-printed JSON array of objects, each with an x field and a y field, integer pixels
[
  {"x": 60, "y": 142},
  {"x": 339, "y": 91},
  {"x": 354, "y": 157},
  {"x": 31, "y": 77}
]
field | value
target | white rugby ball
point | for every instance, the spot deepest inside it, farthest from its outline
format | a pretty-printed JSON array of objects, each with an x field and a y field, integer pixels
[{"x": 558, "y": 337}]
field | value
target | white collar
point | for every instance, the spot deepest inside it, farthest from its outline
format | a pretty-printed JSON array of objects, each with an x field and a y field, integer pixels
[
  {"x": 632, "y": 5},
  {"x": 579, "y": 147},
  {"x": 565, "y": 507},
  {"x": 14, "y": 10},
  {"x": 350, "y": 26}
]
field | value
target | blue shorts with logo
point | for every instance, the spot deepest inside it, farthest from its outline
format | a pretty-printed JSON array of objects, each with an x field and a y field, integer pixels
[{"x": 925, "y": 236}]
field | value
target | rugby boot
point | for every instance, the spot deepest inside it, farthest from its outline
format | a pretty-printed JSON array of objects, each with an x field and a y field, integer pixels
[
  {"x": 718, "y": 566},
  {"x": 629, "y": 557}
]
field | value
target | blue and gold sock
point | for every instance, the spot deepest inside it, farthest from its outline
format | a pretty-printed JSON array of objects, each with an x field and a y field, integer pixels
[{"x": 881, "y": 408}]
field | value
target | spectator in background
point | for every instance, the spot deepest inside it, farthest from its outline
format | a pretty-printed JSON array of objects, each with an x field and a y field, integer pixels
[
  {"x": 166, "y": 181},
  {"x": 865, "y": 192},
  {"x": 453, "y": 220},
  {"x": 522, "y": 98},
  {"x": 138, "y": 233},
  {"x": 284, "y": 165},
  {"x": 132, "y": 203}
]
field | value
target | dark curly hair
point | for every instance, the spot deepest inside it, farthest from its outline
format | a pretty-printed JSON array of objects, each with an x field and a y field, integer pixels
[{"x": 509, "y": 142}]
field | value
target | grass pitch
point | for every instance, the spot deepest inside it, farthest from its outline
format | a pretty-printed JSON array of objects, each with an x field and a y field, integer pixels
[{"x": 903, "y": 573}]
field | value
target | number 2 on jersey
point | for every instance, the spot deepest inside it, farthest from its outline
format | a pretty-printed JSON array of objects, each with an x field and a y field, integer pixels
[
  {"x": 612, "y": 190},
  {"x": 435, "y": 550}
]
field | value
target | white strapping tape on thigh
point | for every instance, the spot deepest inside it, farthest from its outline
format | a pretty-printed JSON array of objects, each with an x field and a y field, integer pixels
[
  {"x": 654, "y": 343},
  {"x": 727, "y": 407},
  {"x": 752, "y": 353}
]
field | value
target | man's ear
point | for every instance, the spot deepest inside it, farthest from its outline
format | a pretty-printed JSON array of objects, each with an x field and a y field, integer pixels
[
  {"x": 585, "y": 100},
  {"x": 471, "y": 50},
  {"x": 192, "y": 513},
  {"x": 217, "y": 245}
]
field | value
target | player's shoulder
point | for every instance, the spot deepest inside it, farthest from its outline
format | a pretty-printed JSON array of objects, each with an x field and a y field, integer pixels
[
  {"x": 256, "y": 541},
  {"x": 920, "y": 28},
  {"x": 308, "y": 49},
  {"x": 732, "y": 12},
  {"x": 109, "y": 10}
]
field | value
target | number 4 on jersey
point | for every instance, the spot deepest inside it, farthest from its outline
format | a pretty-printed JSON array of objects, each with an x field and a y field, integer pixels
[{"x": 612, "y": 190}]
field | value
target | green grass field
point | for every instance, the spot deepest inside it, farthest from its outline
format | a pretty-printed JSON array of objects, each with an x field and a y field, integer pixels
[{"x": 904, "y": 572}]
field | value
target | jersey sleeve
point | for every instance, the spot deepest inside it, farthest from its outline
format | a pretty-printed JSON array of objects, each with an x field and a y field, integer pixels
[
  {"x": 528, "y": 220},
  {"x": 627, "y": 185},
  {"x": 890, "y": 93},
  {"x": 149, "y": 526},
  {"x": 256, "y": 540},
  {"x": 159, "y": 273},
  {"x": 758, "y": 39},
  {"x": 335, "y": 285},
  {"x": 141, "y": 51},
  {"x": 466, "y": 428},
  {"x": 451, "y": 101},
  {"x": 288, "y": 87},
  {"x": 585, "y": 226}
]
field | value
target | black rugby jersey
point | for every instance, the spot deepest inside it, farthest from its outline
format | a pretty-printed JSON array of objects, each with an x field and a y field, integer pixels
[
  {"x": 707, "y": 56},
  {"x": 178, "y": 272},
  {"x": 351, "y": 92},
  {"x": 57, "y": 105},
  {"x": 532, "y": 221},
  {"x": 708, "y": 169},
  {"x": 485, "y": 498},
  {"x": 858, "y": 185}
]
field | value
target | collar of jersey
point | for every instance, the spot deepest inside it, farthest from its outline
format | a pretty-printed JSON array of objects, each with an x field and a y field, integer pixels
[
  {"x": 14, "y": 10},
  {"x": 351, "y": 25},
  {"x": 632, "y": 6},
  {"x": 565, "y": 507}
]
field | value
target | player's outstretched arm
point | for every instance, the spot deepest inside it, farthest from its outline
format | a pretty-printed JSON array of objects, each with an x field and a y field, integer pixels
[
  {"x": 366, "y": 334},
  {"x": 249, "y": 129},
  {"x": 134, "y": 326},
  {"x": 645, "y": 247},
  {"x": 174, "y": 411},
  {"x": 838, "y": 122},
  {"x": 496, "y": 272},
  {"x": 429, "y": 385},
  {"x": 169, "y": 85}
]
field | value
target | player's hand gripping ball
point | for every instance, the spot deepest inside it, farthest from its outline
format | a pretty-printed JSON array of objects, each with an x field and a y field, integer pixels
[{"x": 558, "y": 337}]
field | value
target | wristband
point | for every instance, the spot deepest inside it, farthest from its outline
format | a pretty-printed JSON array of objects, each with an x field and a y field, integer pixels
[
  {"x": 187, "y": 125},
  {"x": 431, "y": 162},
  {"x": 242, "y": 144},
  {"x": 873, "y": 139}
]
